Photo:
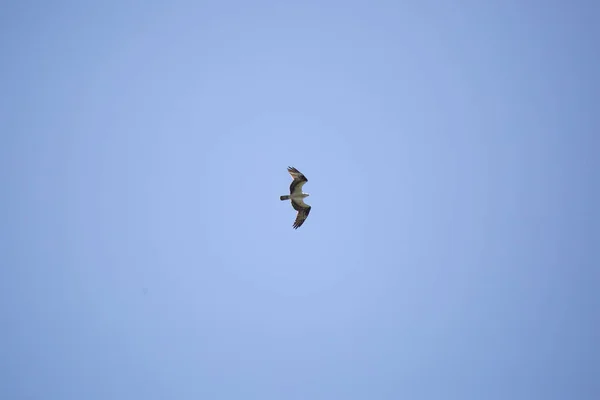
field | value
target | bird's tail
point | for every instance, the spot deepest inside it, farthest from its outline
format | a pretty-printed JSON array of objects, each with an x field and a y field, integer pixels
[{"x": 284, "y": 198}]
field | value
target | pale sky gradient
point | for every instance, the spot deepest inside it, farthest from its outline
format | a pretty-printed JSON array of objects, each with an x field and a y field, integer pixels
[{"x": 452, "y": 150}]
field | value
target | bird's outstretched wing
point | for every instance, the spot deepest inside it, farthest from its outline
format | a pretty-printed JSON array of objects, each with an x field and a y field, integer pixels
[
  {"x": 303, "y": 211},
  {"x": 298, "y": 180}
]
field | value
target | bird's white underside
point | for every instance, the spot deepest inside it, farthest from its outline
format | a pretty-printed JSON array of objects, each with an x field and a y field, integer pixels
[{"x": 299, "y": 198}]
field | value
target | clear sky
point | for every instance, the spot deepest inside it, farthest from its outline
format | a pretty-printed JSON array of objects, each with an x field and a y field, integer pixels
[{"x": 452, "y": 155}]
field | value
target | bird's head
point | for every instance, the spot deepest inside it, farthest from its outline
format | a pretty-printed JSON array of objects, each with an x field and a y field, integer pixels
[{"x": 306, "y": 194}]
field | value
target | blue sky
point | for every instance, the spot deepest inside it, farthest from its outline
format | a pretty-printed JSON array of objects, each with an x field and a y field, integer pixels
[{"x": 451, "y": 150}]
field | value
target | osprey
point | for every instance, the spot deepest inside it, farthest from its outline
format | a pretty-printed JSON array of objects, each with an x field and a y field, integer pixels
[{"x": 297, "y": 196}]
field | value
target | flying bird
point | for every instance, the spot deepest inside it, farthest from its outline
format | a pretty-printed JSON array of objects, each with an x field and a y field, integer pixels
[{"x": 297, "y": 196}]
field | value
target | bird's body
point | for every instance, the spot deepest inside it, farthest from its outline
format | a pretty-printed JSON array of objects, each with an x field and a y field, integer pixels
[{"x": 297, "y": 197}]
